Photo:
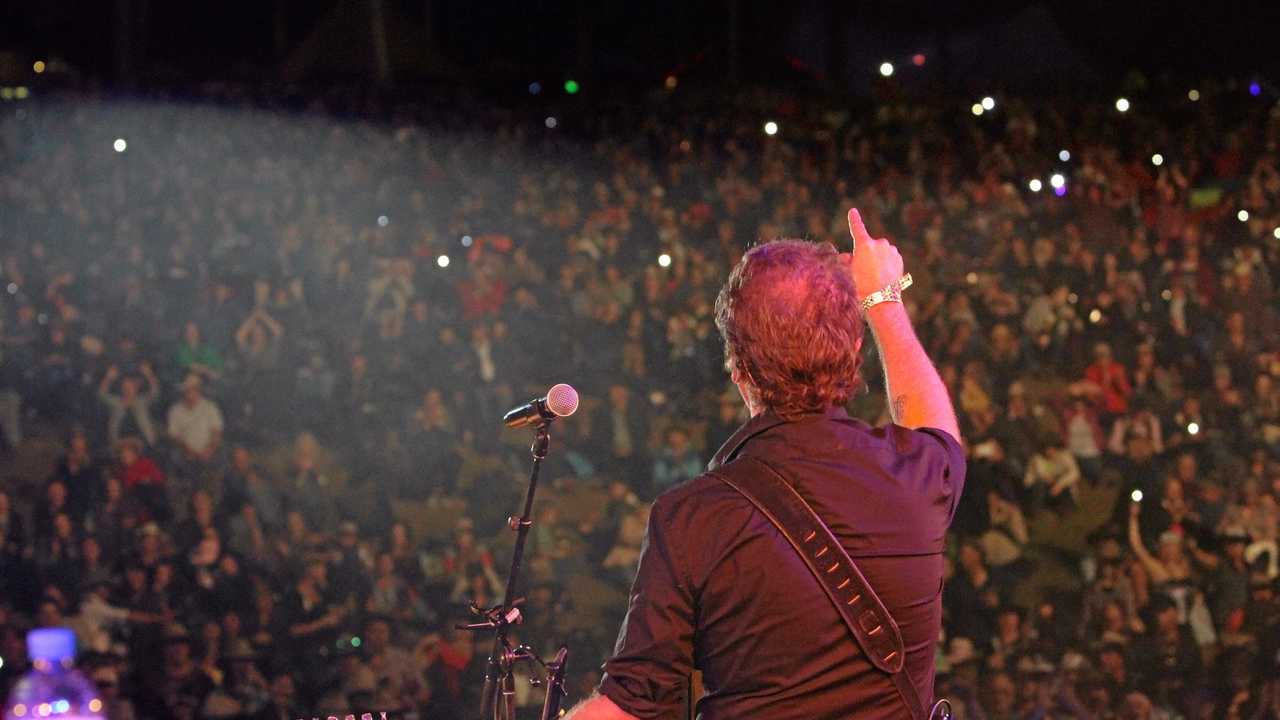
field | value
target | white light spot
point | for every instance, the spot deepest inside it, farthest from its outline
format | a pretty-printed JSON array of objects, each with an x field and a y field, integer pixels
[
  {"x": 443, "y": 261},
  {"x": 13, "y": 288},
  {"x": 1095, "y": 316},
  {"x": 1243, "y": 216},
  {"x": 886, "y": 68},
  {"x": 1122, "y": 104},
  {"x": 1064, "y": 155},
  {"x": 1193, "y": 428},
  {"x": 551, "y": 122},
  {"x": 1166, "y": 294},
  {"x": 120, "y": 145},
  {"x": 976, "y": 109},
  {"x": 38, "y": 66},
  {"x": 988, "y": 103},
  {"x": 664, "y": 260},
  {"x": 1193, "y": 95},
  {"x": 383, "y": 221},
  {"x": 466, "y": 241},
  {"x": 1276, "y": 233},
  {"x": 771, "y": 128},
  {"x": 1136, "y": 496},
  {"x": 1157, "y": 159},
  {"x": 1035, "y": 185},
  {"x": 1073, "y": 298},
  {"x": 1057, "y": 180}
]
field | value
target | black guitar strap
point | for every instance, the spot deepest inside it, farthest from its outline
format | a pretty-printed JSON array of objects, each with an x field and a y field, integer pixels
[{"x": 854, "y": 599}]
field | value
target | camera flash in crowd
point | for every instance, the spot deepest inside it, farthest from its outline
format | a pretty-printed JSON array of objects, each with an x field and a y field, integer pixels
[
  {"x": 1136, "y": 496},
  {"x": 1193, "y": 428},
  {"x": 1157, "y": 159},
  {"x": 1122, "y": 104},
  {"x": 38, "y": 66},
  {"x": 977, "y": 109},
  {"x": 988, "y": 103},
  {"x": 551, "y": 122},
  {"x": 1064, "y": 155},
  {"x": 120, "y": 145},
  {"x": 1095, "y": 316},
  {"x": 1057, "y": 180},
  {"x": 1255, "y": 89},
  {"x": 443, "y": 261},
  {"x": 1193, "y": 95},
  {"x": 886, "y": 68},
  {"x": 383, "y": 221},
  {"x": 466, "y": 241},
  {"x": 771, "y": 128},
  {"x": 535, "y": 87},
  {"x": 1276, "y": 233},
  {"x": 664, "y": 260},
  {"x": 1243, "y": 216},
  {"x": 1035, "y": 185}
]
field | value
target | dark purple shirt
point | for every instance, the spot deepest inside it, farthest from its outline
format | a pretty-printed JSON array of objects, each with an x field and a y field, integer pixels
[{"x": 719, "y": 589}]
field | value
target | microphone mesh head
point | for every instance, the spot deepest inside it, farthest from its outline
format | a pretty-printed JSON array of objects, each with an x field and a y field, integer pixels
[{"x": 562, "y": 400}]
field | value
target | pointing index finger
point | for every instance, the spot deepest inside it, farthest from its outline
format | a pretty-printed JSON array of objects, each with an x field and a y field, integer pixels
[{"x": 857, "y": 230}]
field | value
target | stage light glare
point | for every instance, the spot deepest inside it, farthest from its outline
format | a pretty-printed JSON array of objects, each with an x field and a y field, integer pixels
[
  {"x": 1136, "y": 496},
  {"x": 1095, "y": 316},
  {"x": 1035, "y": 185},
  {"x": 1193, "y": 95},
  {"x": 1122, "y": 104},
  {"x": 664, "y": 260},
  {"x": 1243, "y": 216},
  {"x": 1157, "y": 159},
  {"x": 443, "y": 261},
  {"x": 1057, "y": 180},
  {"x": 1193, "y": 428},
  {"x": 38, "y": 66},
  {"x": 886, "y": 69},
  {"x": 572, "y": 87},
  {"x": 771, "y": 128},
  {"x": 21, "y": 92},
  {"x": 1064, "y": 155},
  {"x": 1276, "y": 233},
  {"x": 977, "y": 109},
  {"x": 120, "y": 145},
  {"x": 918, "y": 59},
  {"x": 988, "y": 103},
  {"x": 1255, "y": 89},
  {"x": 1060, "y": 191}
]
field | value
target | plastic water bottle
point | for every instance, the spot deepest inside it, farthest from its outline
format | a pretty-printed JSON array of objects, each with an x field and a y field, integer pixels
[{"x": 54, "y": 689}]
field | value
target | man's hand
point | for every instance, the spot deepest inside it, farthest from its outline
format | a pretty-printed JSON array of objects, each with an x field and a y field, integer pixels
[{"x": 873, "y": 262}]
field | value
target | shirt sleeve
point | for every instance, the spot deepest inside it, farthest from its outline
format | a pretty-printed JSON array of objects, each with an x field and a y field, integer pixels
[
  {"x": 954, "y": 465},
  {"x": 648, "y": 675}
]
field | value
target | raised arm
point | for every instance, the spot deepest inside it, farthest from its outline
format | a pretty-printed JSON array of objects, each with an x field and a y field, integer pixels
[{"x": 917, "y": 396}]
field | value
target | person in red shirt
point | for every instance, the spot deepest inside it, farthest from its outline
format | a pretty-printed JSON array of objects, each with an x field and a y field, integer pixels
[
  {"x": 1110, "y": 379},
  {"x": 143, "y": 478}
]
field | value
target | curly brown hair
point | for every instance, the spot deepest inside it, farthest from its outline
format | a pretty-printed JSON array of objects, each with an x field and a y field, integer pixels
[{"x": 790, "y": 322}]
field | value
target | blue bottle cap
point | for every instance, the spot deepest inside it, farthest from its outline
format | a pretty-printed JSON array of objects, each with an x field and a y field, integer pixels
[{"x": 52, "y": 644}]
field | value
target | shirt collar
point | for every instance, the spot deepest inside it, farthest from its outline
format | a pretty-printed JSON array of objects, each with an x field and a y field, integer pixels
[{"x": 762, "y": 423}]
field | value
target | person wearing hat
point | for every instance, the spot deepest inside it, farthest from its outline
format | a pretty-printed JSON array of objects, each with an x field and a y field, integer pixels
[
  {"x": 1230, "y": 575},
  {"x": 245, "y": 691},
  {"x": 195, "y": 423},
  {"x": 180, "y": 686},
  {"x": 114, "y": 706}
]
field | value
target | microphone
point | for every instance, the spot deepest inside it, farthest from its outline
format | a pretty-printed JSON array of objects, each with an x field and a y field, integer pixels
[
  {"x": 560, "y": 401},
  {"x": 555, "y": 684}
]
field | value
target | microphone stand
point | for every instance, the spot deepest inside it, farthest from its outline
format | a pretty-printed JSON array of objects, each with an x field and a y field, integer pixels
[{"x": 498, "y": 701}]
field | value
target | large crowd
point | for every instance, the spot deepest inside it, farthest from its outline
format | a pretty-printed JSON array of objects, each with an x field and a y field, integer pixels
[{"x": 255, "y": 354}]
